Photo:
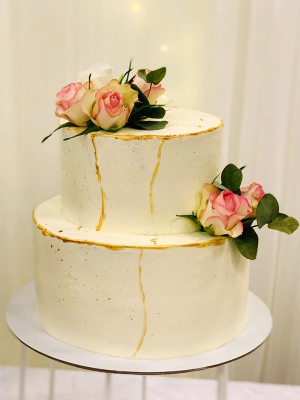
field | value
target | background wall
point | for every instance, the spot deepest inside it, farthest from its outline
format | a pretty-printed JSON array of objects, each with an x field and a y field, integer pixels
[{"x": 238, "y": 59}]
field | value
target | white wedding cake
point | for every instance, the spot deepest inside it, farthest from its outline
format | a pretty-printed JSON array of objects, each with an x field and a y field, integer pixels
[{"x": 117, "y": 272}]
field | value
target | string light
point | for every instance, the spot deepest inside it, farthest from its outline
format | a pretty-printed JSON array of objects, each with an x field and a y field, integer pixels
[
  {"x": 164, "y": 48},
  {"x": 136, "y": 6}
]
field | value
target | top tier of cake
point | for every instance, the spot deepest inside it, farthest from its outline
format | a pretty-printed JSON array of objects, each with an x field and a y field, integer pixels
[{"x": 137, "y": 181}]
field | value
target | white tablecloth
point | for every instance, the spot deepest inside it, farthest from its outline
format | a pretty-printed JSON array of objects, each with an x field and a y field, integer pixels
[{"x": 88, "y": 385}]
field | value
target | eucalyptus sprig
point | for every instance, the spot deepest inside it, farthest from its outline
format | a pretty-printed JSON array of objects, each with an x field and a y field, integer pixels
[
  {"x": 142, "y": 108},
  {"x": 66, "y": 125},
  {"x": 91, "y": 127}
]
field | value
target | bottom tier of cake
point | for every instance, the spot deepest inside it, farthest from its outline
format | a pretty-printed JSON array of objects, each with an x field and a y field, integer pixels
[{"x": 137, "y": 296}]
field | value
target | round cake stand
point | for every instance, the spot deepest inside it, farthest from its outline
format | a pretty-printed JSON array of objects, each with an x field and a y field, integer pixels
[{"x": 22, "y": 320}]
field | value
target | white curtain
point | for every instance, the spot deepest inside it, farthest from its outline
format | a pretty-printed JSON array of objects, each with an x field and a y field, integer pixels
[{"x": 238, "y": 59}]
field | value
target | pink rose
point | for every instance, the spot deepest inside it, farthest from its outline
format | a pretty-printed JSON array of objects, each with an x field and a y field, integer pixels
[
  {"x": 110, "y": 106},
  {"x": 110, "y": 111},
  {"x": 224, "y": 212},
  {"x": 68, "y": 105},
  {"x": 253, "y": 193},
  {"x": 154, "y": 93}
]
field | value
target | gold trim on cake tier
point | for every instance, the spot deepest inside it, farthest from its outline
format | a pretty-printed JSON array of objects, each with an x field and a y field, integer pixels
[
  {"x": 46, "y": 231},
  {"x": 145, "y": 137}
]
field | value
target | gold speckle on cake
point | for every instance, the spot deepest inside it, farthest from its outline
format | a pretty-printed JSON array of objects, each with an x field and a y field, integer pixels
[
  {"x": 144, "y": 307},
  {"x": 103, "y": 215},
  {"x": 155, "y": 172}
]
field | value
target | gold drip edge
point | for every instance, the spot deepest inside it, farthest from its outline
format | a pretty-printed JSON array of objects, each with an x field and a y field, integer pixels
[
  {"x": 46, "y": 232},
  {"x": 144, "y": 308},
  {"x": 103, "y": 215},
  {"x": 155, "y": 172},
  {"x": 127, "y": 138}
]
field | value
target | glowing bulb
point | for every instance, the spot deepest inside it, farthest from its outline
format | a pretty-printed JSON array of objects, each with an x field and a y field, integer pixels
[
  {"x": 136, "y": 5},
  {"x": 164, "y": 48}
]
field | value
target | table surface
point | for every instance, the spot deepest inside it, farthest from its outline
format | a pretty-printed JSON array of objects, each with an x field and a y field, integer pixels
[
  {"x": 22, "y": 321},
  {"x": 78, "y": 385}
]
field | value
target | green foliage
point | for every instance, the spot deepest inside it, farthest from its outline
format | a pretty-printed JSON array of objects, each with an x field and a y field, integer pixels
[
  {"x": 143, "y": 109},
  {"x": 284, "y": 223},
  {"x": 91, "y": 127},
  {"x": 142, "y": 98},
  {"x": 248, "y": 222},
  {"x": 154, "y": 112},
  {"x": 232, "y": 177},
  {"x": 219, "y": 186},
  {"x": 151, "y": 125},
  {"x": 247, "y": 243},
  {"x": 193, "y": 218},
  {"x": 66, "y": 125},
  {"x": 142, "y": 74},
  {"x": 267, "y": 210},
  {"x": 126, "y": 74},
  {"x": 210, "y": 230},
  {"x": 154, "y": 77}
]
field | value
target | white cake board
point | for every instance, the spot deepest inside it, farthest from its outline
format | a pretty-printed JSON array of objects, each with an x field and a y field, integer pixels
[{"x": 22, "y": 320}]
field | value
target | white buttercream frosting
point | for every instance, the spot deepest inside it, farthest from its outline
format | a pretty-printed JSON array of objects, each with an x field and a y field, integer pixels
[
  {"x": 127, "y": 296},
  {"x": 137, "y": 181}
]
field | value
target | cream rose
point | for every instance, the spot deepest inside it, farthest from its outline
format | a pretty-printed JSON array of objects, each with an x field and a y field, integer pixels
[{"x": 101, "y": 75}]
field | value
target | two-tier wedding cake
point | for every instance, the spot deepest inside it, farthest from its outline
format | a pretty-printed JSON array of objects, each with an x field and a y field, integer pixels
[{"x": 117, "y": 271}]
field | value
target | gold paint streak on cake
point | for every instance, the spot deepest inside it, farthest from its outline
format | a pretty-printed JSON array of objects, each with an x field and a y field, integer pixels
[
  {"x": 144, "y": 308},
  {"x": 155, "y": 172},
  {"x": 103, "y": 215},
  {"x": 127, "y": 138}
]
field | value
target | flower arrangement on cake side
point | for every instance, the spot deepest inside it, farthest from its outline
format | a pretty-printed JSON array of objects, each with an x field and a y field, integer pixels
[
  {"x": 226, "y": 209},
  {"x": 97, "y": 102}
]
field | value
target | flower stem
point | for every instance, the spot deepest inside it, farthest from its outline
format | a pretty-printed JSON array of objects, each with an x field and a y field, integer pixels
[{"x": 149, "y": 90}]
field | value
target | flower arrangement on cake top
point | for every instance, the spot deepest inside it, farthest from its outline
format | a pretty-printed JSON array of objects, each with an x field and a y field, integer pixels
[
  {"x": 97, "y": 102},
  {"x": 226, "y": 209}
]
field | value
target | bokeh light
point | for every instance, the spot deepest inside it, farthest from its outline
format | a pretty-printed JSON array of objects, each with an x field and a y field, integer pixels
[
  {"x": 136, "y": 6},
  {"x": 164, "y": 48}
]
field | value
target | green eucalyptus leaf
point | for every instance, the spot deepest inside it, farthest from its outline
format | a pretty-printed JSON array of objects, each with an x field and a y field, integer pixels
[
  {"x": 219, "y": 186},
  {"x": 192, "y": 217},
  {"x": 247, "y": 243},
  {"x": 156, "y": 76},
  {"x": 213, "y": 182},
  {"x": 66, "y": 125},
  {"x": 248, "y": 222},
  {"x": 90, "y": 129},
  {"x": 142, "y": 97},
  {"x": 232, "y": 177},
  {"x": 267, "y": 210},
  {"x": 284, "y": 223},
  {"x": 154, "y": 112},
  {"x": 244, "y": 166},
  {"x": 210, "y": 230},
  {"x": 142, "y": 74},
  {"x": 151, "y": 125}
]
